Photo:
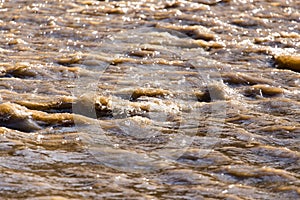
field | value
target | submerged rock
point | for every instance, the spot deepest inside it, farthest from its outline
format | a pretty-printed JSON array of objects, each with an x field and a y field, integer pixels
[
  {"x": 148, "y": 92},
  {"x": 263, "y": 90},
  {"x": 291, "y": 62}
]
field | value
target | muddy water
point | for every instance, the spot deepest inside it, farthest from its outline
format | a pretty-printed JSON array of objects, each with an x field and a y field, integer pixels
[{"x": 149, "y": 99}]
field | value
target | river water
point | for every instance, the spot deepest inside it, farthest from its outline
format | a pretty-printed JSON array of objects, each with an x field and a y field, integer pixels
[{"x": 149, "y": 99}]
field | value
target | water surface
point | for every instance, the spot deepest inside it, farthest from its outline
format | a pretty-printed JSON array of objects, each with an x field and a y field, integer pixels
[{"x": 149, "y": 99}]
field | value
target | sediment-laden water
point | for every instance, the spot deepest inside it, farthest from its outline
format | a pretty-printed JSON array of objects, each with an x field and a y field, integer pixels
[{"x": 149, "y": 99}]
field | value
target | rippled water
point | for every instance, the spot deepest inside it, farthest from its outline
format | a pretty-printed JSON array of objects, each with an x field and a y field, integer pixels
[{"x": 149, "y": 99}]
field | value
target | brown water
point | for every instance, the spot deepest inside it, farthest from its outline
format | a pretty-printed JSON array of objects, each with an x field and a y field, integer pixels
[{"x": 149, "y": 99}]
